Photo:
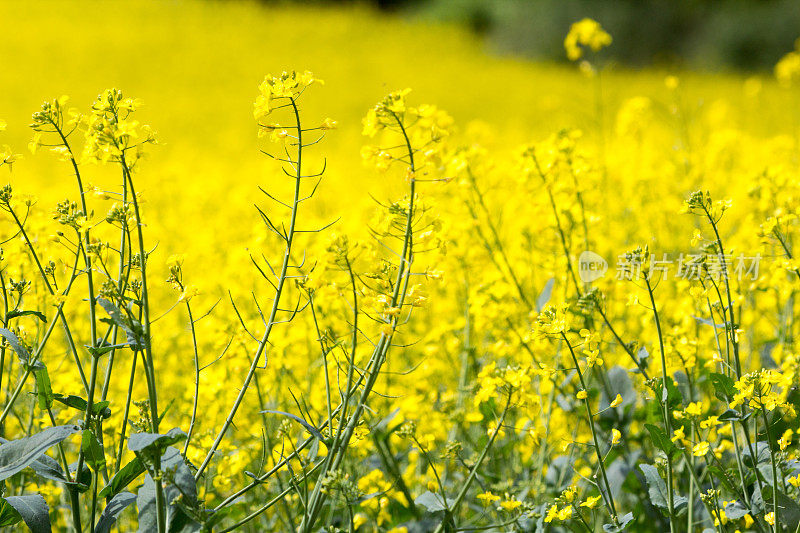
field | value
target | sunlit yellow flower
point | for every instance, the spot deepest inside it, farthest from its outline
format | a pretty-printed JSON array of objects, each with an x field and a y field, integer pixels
[
  {"x": 700, "y": 449},
  {"x": 786, "y": 439},
  {"x": 586, "y": 32},
  {"x": 510, "y": 505},
  {"x": 487, "y": 498},
  {"x": 591, "y": 502}
]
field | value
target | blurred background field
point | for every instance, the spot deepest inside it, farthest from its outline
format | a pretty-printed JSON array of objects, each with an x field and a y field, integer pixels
[{"x": 196, "y": 66}]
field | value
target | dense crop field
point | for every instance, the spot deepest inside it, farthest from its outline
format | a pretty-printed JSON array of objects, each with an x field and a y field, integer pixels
[{"x": 519, "y": 297}]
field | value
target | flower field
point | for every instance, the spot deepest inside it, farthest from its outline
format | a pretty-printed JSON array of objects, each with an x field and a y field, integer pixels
[{"x": 252, "y": 281}]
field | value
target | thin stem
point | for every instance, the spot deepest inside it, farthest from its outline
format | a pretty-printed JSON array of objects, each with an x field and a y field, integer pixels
[
  {"x": 608, "y": 497},
  {"x": 665, "y": 400}
]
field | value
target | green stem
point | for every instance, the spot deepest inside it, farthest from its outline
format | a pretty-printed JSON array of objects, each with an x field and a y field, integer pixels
[
  {"x": 254, "y": 365},
  {"x": 608, "y": 497},
  {"x": 665, "y": 400},
  {"x": 474, "y": 472}
]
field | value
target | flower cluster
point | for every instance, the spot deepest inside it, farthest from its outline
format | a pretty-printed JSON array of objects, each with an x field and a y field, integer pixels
[{"x": 585, "y": 32}]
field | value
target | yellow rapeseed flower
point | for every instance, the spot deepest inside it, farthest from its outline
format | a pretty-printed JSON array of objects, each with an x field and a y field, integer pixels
[{"x": 585, "y": 32}]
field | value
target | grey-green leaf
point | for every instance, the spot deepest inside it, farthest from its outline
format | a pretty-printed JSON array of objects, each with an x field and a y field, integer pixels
[
  {"x": 172, "y": 461},
  {"x": 146, "y": 502},
  {"x": 656, "y": 487},
  {"x": 34, "y": 511},
  {"x": 143, "y": 441},
  {"x": 788, "y": 508},
  {"x": 18, "y": 454},
  {"x": 735, "y": 510},
  {"x": 311, "y": 429},
  {"x": 48, "y": 468},
  {"x": 657, "y": 490},
  {"x": 623, "y": 523},
  {"x": 619, "y": 382},
  {"x": 118, "y": 503},
  {"x": 762, "y": 452},
  {"x": 134, "y": 337},
  {"x": 544, "y": 296},
  {"x": 17, "y": 346},
  {"x": 430, "y": 501}
]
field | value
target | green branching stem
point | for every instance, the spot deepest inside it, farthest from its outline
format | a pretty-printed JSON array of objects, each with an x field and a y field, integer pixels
[
  {"x": 149, "y": 366},
  {"x": 337, "y": 453},
  {"x": 474, "y": 472},
  {"x": 665, "y": 403},
  {"x": 281, "y": 281}
]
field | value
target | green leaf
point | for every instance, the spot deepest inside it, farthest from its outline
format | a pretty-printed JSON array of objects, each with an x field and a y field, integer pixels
[
  {"x": 44, "y": 392},
  {"x": 18, "y": 313},
  {"x": 788, "y": 508},
  {"x": 99, "y": 351},
  {"x": 178, "y": 520},
  {"x": 33, "y": 510},
  {"x": 726, "y": 478},
  {"x": 671, "y": 395},
  {"x": 93, "y": 451},
  {"x": 76, "y": 402},
  {"x": 83, "y": 480},
  {"x": 126, "y": 475},
  {"x": 661, "y": 440},
  {"x": 101, "y": 409},
  {"x": 18, "y": 454},
  {"x": 8, "y": 515},
  {"x": 118, "y": 503},
  {"x": 724, "y": 388}
]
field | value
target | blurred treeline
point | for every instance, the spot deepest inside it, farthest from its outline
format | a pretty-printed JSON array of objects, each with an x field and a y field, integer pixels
[{"x": 741, "y": 34}]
